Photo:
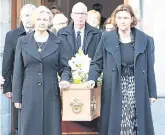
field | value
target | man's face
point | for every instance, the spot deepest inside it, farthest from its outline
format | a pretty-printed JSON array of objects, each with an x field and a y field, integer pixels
[
  {"x": 55, "y": 11},
  {"x": 79, "y": 16},
  {"x": 26, "y": 18}
]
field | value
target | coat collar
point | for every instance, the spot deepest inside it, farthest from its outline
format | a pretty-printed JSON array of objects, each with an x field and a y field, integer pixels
[
  {"x": 112, "y": 45},
  {"x": 21, "y": 30},
  {"x": 31, "y": 47},
  {"x": 70, "y": 34}
]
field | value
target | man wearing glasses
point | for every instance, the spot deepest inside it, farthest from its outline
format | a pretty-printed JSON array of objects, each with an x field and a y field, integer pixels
[{"x": 79, "y": 34}]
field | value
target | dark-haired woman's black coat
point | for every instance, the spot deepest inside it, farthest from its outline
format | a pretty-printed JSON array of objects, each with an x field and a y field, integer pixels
[{"x": 108, "y": 59}]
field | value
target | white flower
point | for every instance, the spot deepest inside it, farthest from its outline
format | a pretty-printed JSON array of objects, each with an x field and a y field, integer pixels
[
  {"x": 72, "y": 64},
  {"x": 80, "y": 67}
]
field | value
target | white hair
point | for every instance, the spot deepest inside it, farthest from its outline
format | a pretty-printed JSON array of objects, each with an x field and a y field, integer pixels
[
  {"x": 60, "y": 17},
  {"x": 27, "y": 7},
  {"x": 78, "y": 6}
]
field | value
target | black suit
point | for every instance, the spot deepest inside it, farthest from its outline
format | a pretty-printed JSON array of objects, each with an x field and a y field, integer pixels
[
  {"x": 8, "y": 62},
  {"x": 92, "y": 37}
]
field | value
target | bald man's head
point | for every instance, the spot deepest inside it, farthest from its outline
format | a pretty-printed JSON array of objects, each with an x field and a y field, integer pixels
[{"x": 79, "y": 14}]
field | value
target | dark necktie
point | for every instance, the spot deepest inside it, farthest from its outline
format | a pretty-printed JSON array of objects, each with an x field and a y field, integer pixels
[{"x": 78, "y": 40}]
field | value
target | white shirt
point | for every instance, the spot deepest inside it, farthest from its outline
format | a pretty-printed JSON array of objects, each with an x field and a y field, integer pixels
[{"x": 82, "y": 32}]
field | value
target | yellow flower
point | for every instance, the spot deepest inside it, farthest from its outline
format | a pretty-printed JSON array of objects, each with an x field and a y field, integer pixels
[
  {"x": 78, "y": 80},
  {"x": 80, "y": 52}
]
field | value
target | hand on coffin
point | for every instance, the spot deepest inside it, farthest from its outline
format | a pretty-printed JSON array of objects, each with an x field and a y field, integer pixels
[
  {"x": 91, "y": 84},
  {"x": 64, "y": 85},
  {"x": 18, "y": 105},
  {"x": 152, "y": 100}
]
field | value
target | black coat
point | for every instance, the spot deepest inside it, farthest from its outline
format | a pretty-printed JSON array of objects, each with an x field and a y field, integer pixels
[
  {"x": 92, "y": 37},
  {"x": 8, "y": 56},
  {"x": 108, "y": 60},
  {"x": 8, "y": 62},
  {"x": 35, "y": 84}
]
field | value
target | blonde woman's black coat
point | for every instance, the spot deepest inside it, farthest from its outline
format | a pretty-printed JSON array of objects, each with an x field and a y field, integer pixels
[{"x": 35, "y": 85}]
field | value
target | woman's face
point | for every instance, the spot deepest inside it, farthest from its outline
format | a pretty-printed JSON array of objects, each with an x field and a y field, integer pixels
[
  {"x": 42, "y": 22},
  {"x": 123, "y": 20},
  {"x": 93, "y": 20}
]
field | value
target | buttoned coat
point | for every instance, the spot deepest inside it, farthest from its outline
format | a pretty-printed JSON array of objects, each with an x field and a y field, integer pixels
[
  {"x": 92, "y": 37},
  {"x": 108, "y": 60},
  {"x": 8, "y": 62},
  {"x": 35, "y": 84}
]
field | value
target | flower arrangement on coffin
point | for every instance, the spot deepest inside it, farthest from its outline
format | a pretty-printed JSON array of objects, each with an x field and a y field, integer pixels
[
  {"x": 80, "y": 65},
  {"x": 80, "y": 103}
]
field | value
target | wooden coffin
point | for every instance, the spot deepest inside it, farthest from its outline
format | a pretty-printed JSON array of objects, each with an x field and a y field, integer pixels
[{"x": 80, "y": 103}]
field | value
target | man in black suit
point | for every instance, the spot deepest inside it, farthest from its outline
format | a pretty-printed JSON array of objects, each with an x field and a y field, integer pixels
[
  {"x": 9, "y": 52},
  {"x": 79, "y": 34}
]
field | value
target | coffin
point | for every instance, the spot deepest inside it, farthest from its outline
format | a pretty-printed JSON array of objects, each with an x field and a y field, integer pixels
[{"x": 80, "y": 103}]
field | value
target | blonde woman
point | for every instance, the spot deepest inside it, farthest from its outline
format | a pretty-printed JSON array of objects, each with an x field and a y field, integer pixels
[
  {"x": 36, "y": 94},
  {"x": 94, "y": 18}
]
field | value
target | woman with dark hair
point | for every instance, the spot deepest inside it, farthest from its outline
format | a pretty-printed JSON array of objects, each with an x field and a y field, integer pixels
[{"x": 124, "y": 56}]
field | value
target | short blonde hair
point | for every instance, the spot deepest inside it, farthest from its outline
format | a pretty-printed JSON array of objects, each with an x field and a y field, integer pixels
[
  {"x": 41, "y": 9},
  {"x": 124, "y": 7},
  {"x": 94, "y": 12}
]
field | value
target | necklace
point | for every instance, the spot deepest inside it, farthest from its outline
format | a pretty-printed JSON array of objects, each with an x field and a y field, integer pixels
[{"x": 40, "y": 46}]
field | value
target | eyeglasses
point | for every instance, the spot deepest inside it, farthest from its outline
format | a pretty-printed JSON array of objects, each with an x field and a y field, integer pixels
[{"x": 76, "y": 13}]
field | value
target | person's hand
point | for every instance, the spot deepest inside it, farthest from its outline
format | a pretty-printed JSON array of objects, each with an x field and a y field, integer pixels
[
  {"x": 64, "y": 85},
  {"x": 2, "y": 80},
  {"x": 18, "y": 105},
  {"x": 152, "y": 100},
  {"x": 8, "y": 95},
  {"x": 91, "y": 84}
]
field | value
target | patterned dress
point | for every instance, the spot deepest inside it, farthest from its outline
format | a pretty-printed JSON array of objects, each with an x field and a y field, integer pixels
[{"x": 128, "y": 121}]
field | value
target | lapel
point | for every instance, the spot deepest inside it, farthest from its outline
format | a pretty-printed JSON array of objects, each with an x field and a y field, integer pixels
[
  {"x": 87, "y": 37},
  {"x": 140, "y": 43},
  {"x": 51, "y": 45},
  {"x": 112, "y": 46},
  {"x": 21, "y": 30},
  {"x": 70, "y": 36},
  {"x": 31, "y": 47}
]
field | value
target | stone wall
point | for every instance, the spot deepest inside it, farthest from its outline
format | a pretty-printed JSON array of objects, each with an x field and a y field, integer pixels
[{"x": 5, "y": 23}]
